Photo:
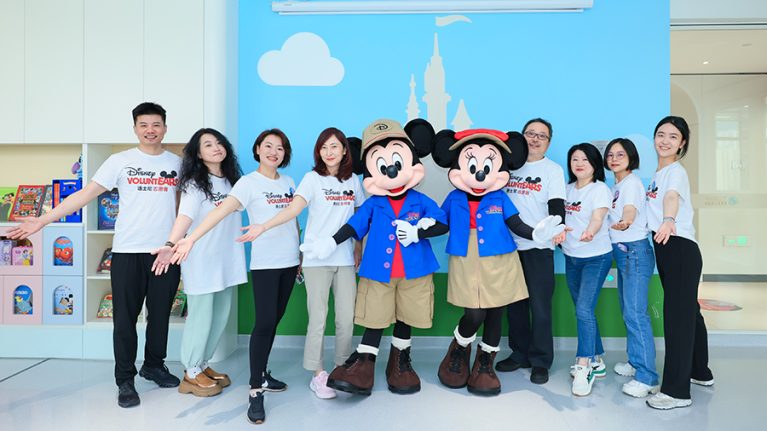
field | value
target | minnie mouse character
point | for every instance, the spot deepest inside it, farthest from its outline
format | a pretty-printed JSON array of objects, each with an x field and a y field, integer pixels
[
  {"x": 484, "y": 273},
  {"x": 397, "y": 264}
]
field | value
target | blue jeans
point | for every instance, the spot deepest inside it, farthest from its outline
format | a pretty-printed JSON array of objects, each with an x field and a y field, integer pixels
[
  {"x": 635, "y": 261},
  {"x": 585, "y": 277}
]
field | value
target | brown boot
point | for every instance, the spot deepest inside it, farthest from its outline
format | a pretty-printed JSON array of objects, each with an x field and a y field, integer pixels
[
  {"x": 483, "y": 380},
  {"x": 355, "y": 375},
  {"x": 400, "y": 375},
  {"x": 201, "y": 386},
  {"x": 454, "y": 369},
  {"x": 220, "y": 378}
]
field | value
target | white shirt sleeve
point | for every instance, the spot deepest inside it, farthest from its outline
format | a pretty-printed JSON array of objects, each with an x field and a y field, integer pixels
[
  {"x": 242, "y": 191},
  {"x": 191, "y": 201},
  {"x": 108, "y": 173},
  {"x": 307, "y": 188},
  {"x": 557, "y": 185},
  {"x": 633, "y": 194},
  {"x": 603, "y": 198},
  {"x": 677, "y": 180}
]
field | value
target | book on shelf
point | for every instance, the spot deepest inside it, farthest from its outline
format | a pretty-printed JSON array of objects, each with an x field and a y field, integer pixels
[
  {"x": 27, "y": 202},
  {"x": 105, "y": 264},
  {"x": 47, "y": 205},
  {"x": 62, "y": 188},
  {"x": 6, "y": 251},
  {"x": 108, "y": 208},
  {"x": 21, "y": 256},
  {"x": 179, "y": 304},
  {"x": 105, "y": 307},
  {"x": 7, "y": 195}
]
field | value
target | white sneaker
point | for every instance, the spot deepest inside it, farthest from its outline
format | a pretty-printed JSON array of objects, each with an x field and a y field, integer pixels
[
  {"x": 637, "y": 389},
  {"x": 662, "y": 401},
  {"x": 625, "y": 369},
  {"x": 598, "y": 366},
  {"x": 583, "y": 380},
  {"x": 703, "y": 382},
  {"x": 319, "y": 385}
]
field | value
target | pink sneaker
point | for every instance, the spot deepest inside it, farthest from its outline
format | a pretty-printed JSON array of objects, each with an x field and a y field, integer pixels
[{"x": 319, "y": 385}]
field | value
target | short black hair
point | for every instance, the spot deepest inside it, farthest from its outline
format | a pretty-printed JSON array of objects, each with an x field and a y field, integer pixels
[
  {"x": 148, "y": 108},
  {"x": 542, "y": 121},
  {"x": 683, "y": 128},
  {"x": 631, "y": 152},
  {"x": 594, "y": 158},
  {"x": 285, "y": 145}
]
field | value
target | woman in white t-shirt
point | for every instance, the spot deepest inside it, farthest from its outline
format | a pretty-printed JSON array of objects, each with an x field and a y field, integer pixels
[
  {"x": 331, "y": 192},
  {"x": 208, "y": 170},
  {"x": 588, "y": 257},
  {"x": 635, "y": 262},
  {"x": 274, "y": 257},
  {"x": 680, "y": 264}
]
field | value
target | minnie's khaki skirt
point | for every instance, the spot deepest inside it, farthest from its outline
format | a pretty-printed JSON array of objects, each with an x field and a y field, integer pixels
[{"x": 485, "y": 282}]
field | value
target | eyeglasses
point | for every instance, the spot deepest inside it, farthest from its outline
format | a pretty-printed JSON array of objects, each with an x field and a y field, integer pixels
[
  {"x": 616, "y": 156},
  {"x": 540, "y": 136}
]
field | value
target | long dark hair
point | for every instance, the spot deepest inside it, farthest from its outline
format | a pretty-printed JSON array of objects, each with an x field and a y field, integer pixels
[
  {"x": 195, "y": 173},
  {"x": 345, "y": 168}
]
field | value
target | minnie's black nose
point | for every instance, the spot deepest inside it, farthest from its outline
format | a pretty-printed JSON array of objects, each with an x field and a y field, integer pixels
[{"x": 480, "y": 176}]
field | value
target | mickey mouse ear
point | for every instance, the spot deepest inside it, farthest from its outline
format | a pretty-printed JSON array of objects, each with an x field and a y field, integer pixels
[
  {"x": 355, "y": 148},
  {"x": 518, "y": 146}
]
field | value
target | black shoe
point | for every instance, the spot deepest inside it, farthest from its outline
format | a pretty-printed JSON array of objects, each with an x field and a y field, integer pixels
[
  {"x": 539, "y": 375},
  {"x": 510, "y": 364},
  {"x": 256, "y": 412},
  {"x": 271, "y": 384},
  {"x": 161, "y": 376},
  {"x": 127, "y": 395}
]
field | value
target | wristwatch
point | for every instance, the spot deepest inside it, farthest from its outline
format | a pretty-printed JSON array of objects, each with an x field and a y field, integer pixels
[{"x": 671, "y": 219}]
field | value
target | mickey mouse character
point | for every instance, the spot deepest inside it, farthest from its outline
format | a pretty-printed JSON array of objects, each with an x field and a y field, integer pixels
[
  {"x": 484, "y": 273},
  {"x": 397, "y": 263}
]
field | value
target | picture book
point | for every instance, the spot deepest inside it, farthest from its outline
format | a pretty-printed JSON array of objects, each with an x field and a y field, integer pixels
[
  {"x": 6, "y": 249},
  {"x": 28, "y": 201},
  {"x": 108, "y": 207},
  {"x": 63, "y": 252},
  {"x": 105, "y": 307},
  {"x": 21, "y": 256},
  {"x": 105, "y": 264},
  {"x": 47, "y": 205},
  {"x": 61, "y": 190},
  {"x": 22, "y": 300},
  {"x": 179, "y": 303},
  {"x": 6, "y": 202},
  {"x": 63, "y": 301}
]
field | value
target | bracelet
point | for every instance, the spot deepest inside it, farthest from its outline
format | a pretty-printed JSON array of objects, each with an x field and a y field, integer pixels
[
  {"x": 671, "y": 219},
  {"x": 169, "y": 244}
]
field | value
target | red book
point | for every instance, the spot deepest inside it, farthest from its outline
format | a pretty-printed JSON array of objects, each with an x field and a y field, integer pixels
[{"x": 28, "y": 201}]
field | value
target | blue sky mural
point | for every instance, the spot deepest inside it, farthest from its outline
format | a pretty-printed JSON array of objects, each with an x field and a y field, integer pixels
[{"x": 596, "y": 75}]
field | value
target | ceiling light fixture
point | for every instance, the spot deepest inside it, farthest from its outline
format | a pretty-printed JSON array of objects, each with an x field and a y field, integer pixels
[{"x": 309, "y": 7}]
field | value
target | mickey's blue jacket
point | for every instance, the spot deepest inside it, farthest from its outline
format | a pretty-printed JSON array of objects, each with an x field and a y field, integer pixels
[
  {"x": 493, "y": 234},
  {"x": 375, "y": 218}
]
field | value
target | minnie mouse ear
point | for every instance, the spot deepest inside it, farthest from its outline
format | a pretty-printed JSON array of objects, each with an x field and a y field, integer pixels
[
  {"x": 440, "y": 152},
  {"x": 421, "y": 133},
  {"x": 518, "y": 146},
  {"x": 355, "y": 149}
]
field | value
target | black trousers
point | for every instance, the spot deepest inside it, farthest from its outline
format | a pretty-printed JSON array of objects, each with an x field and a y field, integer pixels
[
  {"x": 271, "y": 293},
  {"x": 132, "y": 282},
  {"x": 533, "y": 343},
  {"x": 679, "y": 266}
]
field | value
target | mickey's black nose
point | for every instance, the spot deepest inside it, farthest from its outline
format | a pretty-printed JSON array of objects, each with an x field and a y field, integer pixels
[
  {"x": 391, "y": 171},
  {"x": 480, "y": 176}
]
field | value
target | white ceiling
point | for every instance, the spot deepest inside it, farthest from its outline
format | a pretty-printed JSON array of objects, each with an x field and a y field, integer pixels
[{"x": 726, "y": 51}]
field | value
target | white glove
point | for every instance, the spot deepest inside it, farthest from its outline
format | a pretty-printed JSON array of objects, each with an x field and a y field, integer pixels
[
  {"x": 318, "y": 248},
  {"x": 406, "y": 232},
  {"x": 426, "y": 223},
  {"x": 547, "y": 229}
]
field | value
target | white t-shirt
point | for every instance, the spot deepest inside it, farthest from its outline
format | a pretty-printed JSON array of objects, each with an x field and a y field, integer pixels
[
  {"x": 530, "y": 189},
  {"x": 147, "y": 187},
  {"x": 672, "y": 177},
  {"x": 331, "y": 204},
  {"x": 201, "y": 273},
  {"x": 579, "y": 206},
  {"x": 629, "y": 191},
  {"x": 263, "y": 198}
]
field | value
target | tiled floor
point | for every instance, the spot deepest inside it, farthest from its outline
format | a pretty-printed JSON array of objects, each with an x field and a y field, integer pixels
[{"x": 80, "y": 395}]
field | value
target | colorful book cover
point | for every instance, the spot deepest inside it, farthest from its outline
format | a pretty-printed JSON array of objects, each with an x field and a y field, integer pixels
[
  {"x": 105, "y": 307},
  {"x": 47, "y": 205},
  {"x": 63, "y": 252},
  {"x": 21, "y": 256},
  {"x": 28, "y": 201},
  {"x": 105, "y": 264},
  {"x": 22, "y": 300},
  {"x": 61, "y": 190},
  {"x": 7, "y": 195},
  {"x": 6, "y": 251},
  {"x": 108, "y": 208},
  {"x": 63, "y": 301},
  {"x": 179, "y": 303}
]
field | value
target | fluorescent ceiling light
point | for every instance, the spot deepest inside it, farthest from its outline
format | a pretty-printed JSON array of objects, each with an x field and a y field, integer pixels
[{"x": 310, "y": 7}]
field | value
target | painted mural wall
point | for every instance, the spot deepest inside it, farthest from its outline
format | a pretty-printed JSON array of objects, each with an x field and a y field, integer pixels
[{"x": 595, "y": 76}]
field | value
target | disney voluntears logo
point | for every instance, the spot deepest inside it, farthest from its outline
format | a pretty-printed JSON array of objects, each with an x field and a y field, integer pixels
[
  {"x": 412, "y": 216},
  {"x": 652, "y": 191},
  {"x": 339, "y": 197},
  {"x": 573, "y": 207},
  {"x": 494, "y": 209},
  {"x": 279, "y": 200},
  {"x": 218, "y": 198},
  {"x": 524, "y": 186},
  {"x": 148, "y": 181}
]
